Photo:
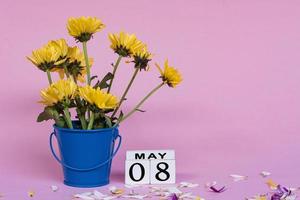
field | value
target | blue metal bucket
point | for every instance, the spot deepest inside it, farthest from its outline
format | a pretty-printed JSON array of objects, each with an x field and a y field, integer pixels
[{"x": 86, "y": 155}]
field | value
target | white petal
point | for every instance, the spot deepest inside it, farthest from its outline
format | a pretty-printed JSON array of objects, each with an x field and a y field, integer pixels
[
  {"x": 265, "y": 174},
  {"x": 98, "y": 195},
  {"x": 54, "y": 188},
  {"x": 174, "y": 190},
  {"x": 210, "y": 184},
  {"x": 188, "y": 185},
  {"x": 83, "y": 197},
  {"x": 237, "y": 177},
  {"x": 135, "y": 196}
]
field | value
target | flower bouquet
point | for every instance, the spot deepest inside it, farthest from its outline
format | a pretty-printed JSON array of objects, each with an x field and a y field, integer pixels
[{"x": 86, "y": 142}]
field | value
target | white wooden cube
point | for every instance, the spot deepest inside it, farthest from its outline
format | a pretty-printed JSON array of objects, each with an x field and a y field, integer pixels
[
  {"x": 137, "y": 172},
  {"x": 162, "y": 172}
]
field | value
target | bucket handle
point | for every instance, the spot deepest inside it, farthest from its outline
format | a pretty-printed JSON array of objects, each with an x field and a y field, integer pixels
[{"x": 87, "y": 169}]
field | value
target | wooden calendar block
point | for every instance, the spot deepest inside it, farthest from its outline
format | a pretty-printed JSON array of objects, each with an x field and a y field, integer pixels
[
  {"x": 137, "y": 172},
  {"x": 162, "y": 172},
  {"x": 150, "y": 167}
]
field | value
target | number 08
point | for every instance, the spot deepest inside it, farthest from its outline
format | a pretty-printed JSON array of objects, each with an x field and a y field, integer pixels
[{"x": 161, "y": 175}]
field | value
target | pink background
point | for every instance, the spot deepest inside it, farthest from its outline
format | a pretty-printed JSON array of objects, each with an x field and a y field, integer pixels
[{"x": 237, "y": 110}]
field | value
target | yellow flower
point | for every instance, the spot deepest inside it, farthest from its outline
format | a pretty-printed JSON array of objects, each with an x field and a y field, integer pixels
[
  {"x": 45, "y": 58},
  {"x": 57, "y": 92},
  {"x": 141, "y": 58},
  {"x": 170, "y": 75},
  {"x": 60, "y": 46},
  {"x": 125, "y": 44},
  {"x": 97, "y": 97},
  {"x": 75, "y": 64},
  {"x": 272, "y": 185},
  {"x": 83, "y": 28},
  {"x": 261, "y": 197},
  {"x": 75, "y": 55}
]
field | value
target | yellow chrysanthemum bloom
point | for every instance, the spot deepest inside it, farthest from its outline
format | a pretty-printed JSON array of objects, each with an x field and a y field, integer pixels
[
  {"x": 61, "y": 91},
  {"x": 169, "y": 75},
  {"x": 76, "y": 56},
  {"x": 141, "y": 58},
  {"x": 75, "y": 64},
  {"x": 83, "y": 28},
  {"x": 99, "y": 98},
  {"x": 125, "y": 44},
  {"x": 60, "y": 46},
  {"x": 45, "y": 58}
]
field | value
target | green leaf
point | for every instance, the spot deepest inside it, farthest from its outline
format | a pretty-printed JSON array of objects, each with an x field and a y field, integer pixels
[
  {"x": 51, "y": 113},
  {"x": 140, "y": 110},
  {"x": 93, "y": 77},
  {"x": 121, "y": 115},
  {"x": 103, "y": 83},
  {"x": 108, "y": 121},
  {"x": 60, "y": 122},
  {"x": 47, "y": 114}
]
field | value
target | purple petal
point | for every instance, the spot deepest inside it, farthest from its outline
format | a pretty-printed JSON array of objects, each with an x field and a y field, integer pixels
[
  {"x": 213, "y": 189},
  {"x": 276, "y": 196},
  {"x": 174, "y": 197}
]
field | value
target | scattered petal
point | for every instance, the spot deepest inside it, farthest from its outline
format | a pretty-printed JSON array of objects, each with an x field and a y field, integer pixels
[
  {"x": 210, "y": 184},
  {"x": 283, "y": 193},
  {"x": 54, "y": 188},
  {"x": 272, "y": 185},
  {"x": 109, "y": 197},
  {"x": 135, "y": 196},
  {"x": 188, "y": 185},
  {"x": 174, "y": 197},
  {"x": 83, "y": 197},
  {"x": 258, "y": 197},
  {"x": 115, "y": 190},
  {"x": 293, "y": 189},
  {"x": 220, "y": 190},
  {"x": 132, "y": 192},
  {"x": 291, "y": 197},
  {"x": 264, "y": 174},
  {"x": 154, "y": 189},
  {"x": 237, "y": 177},
  {"x": 31, "y": 193},
  {"x": 162, "y": 194},
  {"x": 174, "y": 190},
  {"x": 188, "y": 195},
  {"x": 86, "y": 193},
  {"x": 98, "y": 195}
]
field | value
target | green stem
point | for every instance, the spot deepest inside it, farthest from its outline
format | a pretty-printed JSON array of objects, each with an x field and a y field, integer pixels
[
  {"x": 140, "y": 103},
  {"x": 125, "y": 92},
  {"x": 88, "y": 73},
  {"x": 68, "y": 118},
  {"x": 66, "y": 71},
  {"x": 82, "y": 121},
  {"x": 49, "y": 77},
  {"x": 91, "y": 122},
  {"x": 114, "y": 73},
  {"x": 58, "y": 122}
]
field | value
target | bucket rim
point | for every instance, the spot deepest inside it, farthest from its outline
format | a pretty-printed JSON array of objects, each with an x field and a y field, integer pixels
[{"x": 83, "y": 130}]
